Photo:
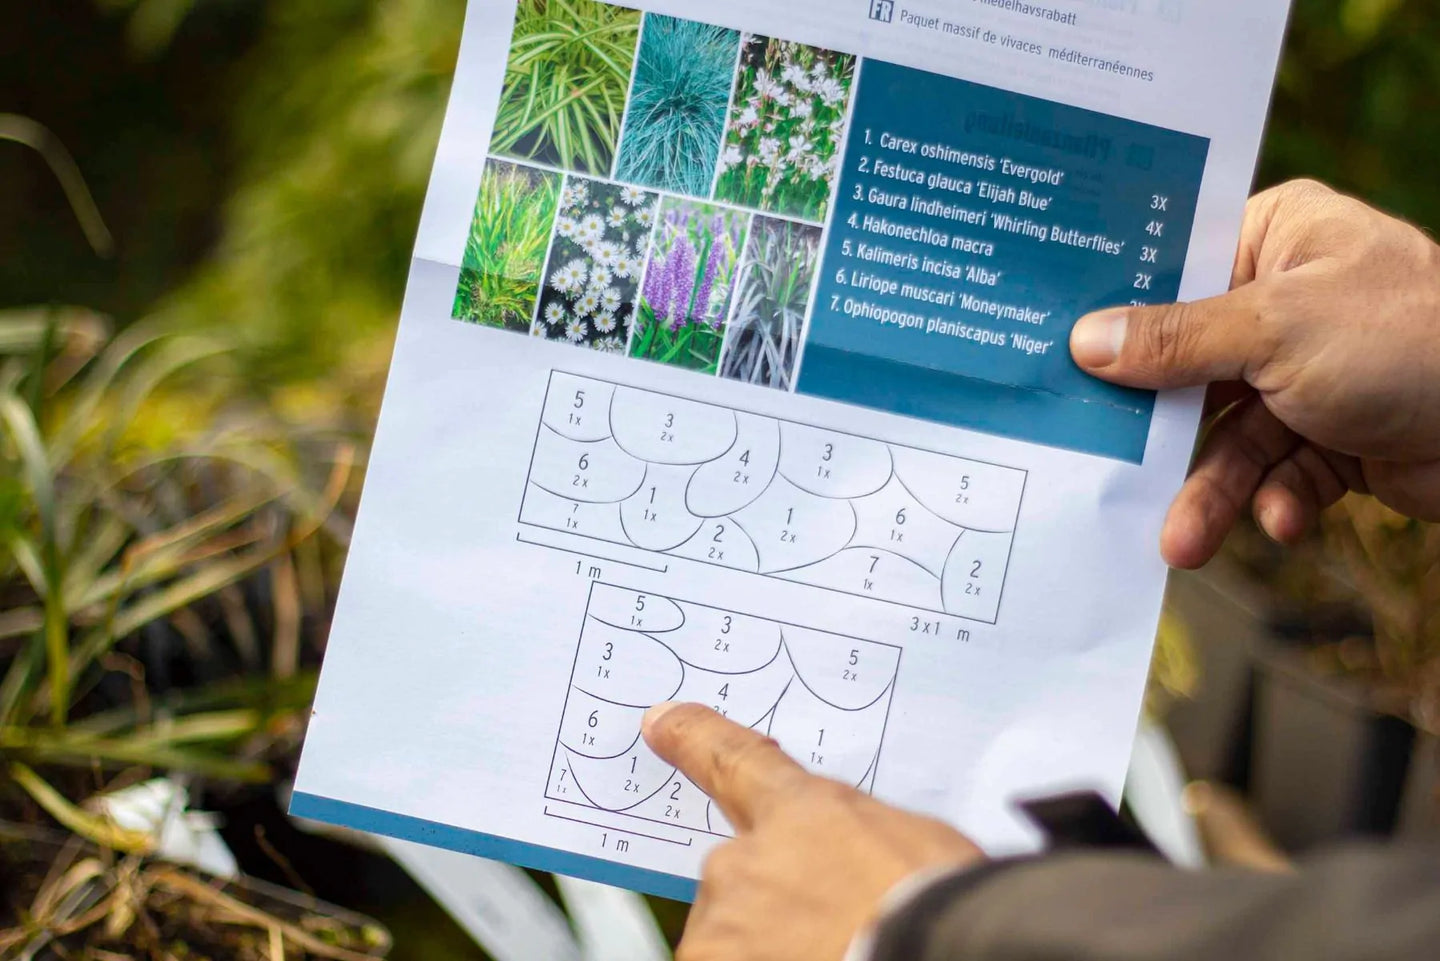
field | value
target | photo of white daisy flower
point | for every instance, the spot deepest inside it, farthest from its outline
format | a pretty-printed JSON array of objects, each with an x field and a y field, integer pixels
[{"x": 595, "y": 261}]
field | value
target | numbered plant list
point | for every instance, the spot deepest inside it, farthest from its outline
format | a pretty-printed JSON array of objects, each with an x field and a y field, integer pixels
[
  {"x": 733, "y": 369},
  {"x": 970, "y": 238}
]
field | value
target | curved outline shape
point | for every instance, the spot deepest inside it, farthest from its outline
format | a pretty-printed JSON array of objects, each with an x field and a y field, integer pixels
[
  {"x": 709, "y": 823},
  {"x": 921, "y": 501},
  {"x": 756, "y": 670},
  {"x": 643, "y": 630},
  {"x": 699, "y": 560},
  {"x": 550, "y": 389},
  {"x": 939, "y": 578},
  {"x": 888, "y": 453},
  {"x": 1004, "y": 573},
  {"x": 882, "y": 550},
  {"x": 860, "y": 785},
  {"x": 644, "y": 707},
  {"x": 530, "y": 478},
  {"x": 575, "y": 779},
  {"x": 785, "y": 570},
  {"x": 687, "y": 400},
  {"x": 848, "y": 710},
  {"x": 609, "y": 757},
  {"x": 699, "y": 521},
  {"x": 763, "y": 491}
]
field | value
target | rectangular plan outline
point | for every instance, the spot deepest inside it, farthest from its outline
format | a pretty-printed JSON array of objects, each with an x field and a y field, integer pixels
[
  {"x": 575, "y": 664},
  {"x": 535, "y": 446}
]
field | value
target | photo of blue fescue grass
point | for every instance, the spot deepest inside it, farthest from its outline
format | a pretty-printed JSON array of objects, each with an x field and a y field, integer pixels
[{"x": 684, "y": 72}]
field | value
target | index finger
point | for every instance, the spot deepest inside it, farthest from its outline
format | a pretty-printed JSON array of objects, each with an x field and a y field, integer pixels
[{"x": 742, "y": 770}]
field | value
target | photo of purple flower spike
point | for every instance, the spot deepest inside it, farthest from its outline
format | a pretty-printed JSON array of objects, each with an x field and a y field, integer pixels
[
  {"x": 689, "y": 285},
  {"x": 682, "y": 272},
  {"x": 707, "y": 286}
]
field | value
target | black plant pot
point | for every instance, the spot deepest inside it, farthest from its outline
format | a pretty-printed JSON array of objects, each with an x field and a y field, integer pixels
[
  {"x": 1325, "y": 765},
  {"x": 1420, "y": 808},
  {"x": 1227, "y": 619}
]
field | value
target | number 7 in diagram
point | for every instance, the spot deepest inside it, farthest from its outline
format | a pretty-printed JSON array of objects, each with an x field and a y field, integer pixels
[{"x": 820, "y": 507}]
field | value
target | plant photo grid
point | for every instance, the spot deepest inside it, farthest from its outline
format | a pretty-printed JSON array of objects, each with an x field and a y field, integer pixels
[
  {"x": 688, "y": 285},
  {"x": 566, "y": 83},
  {"x": 787, "y": 122},
  {"x": 596, "y": 260},
  {"x": 504, "y": 261},
  {"x": 772, "y": 301},
  {"x": 684, "y": 75}
]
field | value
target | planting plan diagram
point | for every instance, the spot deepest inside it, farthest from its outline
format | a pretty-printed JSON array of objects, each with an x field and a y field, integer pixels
[
  {"x": 824, "y": 697},
  {"x": 663, "y": 474},
  {"x": 686, "y": 480}
]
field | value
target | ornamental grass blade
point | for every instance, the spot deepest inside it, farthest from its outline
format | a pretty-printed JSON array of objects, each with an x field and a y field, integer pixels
[{"x": 102, "y": 831}]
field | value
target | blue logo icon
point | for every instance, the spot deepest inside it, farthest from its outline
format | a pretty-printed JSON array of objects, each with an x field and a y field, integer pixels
[{"x": 882, "y": 10}]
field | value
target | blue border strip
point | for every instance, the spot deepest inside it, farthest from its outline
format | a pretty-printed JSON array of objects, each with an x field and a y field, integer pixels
[{"x": 374, "y": 821}]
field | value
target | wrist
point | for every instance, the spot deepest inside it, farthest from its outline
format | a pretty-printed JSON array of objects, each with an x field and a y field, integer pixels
[{"x": 903, "y": 918}]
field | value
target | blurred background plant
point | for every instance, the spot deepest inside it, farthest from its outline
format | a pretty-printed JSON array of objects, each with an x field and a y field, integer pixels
[{"x": 177, "y": 444}]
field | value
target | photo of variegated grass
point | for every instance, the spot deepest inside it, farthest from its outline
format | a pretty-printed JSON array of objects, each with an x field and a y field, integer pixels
[
  {"x": 501, "y": 271},
  {"x": 596, "y": 260},
  {"x": 767, "y": 326},
  {"x": 683, "y": 74},
  {"x": 565, "y": 83},
  {"x": 688, "y": 285},
  {"x": 787, "y": 120}
]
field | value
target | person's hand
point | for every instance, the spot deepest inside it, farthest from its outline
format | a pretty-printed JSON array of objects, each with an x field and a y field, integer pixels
[
  {"x": 1326, "y": 361},
  {"x": 812, "y": 860}
]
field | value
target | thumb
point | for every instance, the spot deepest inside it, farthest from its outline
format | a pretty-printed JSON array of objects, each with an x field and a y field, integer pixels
[{"x": 1176, "y": 345}]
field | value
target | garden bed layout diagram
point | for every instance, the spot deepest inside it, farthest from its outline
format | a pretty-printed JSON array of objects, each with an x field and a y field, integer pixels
[
  {"x": 825, "y": 698},
  {"x": 691, "y": 480}
]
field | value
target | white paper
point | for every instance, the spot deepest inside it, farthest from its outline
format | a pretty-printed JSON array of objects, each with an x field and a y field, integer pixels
[{"x": 926, "y": 563}]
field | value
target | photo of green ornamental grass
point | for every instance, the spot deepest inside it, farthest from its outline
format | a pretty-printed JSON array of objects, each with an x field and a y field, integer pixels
[
  {"x": 787, "y": 120},
  {"x": 595, "y": 264},
  {"x": 565, "y": 83},
  {"x": 683, "y": 74},
  {"x": 505, "y": 253},
  {"x": 688, "y": 285},
  {"x": 768, "y": 323}
]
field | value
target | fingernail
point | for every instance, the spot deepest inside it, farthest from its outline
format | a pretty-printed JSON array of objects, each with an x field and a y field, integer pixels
[
  {"x": 1098, "y": 338},
  {"x": 1269, "y": 519},
  {"x": 653, "y": 716}
]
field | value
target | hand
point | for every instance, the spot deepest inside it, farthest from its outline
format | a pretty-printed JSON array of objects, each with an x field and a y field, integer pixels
[
  {"x": 1326, "y": 359},
  {"x": 813, "y": 858}
]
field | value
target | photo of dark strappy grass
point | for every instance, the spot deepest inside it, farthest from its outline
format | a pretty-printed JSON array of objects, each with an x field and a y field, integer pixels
[
  {"x": 771, "y": 300},
  {"x": 565, "y": 84},
  {"x": 683, "y": 75},
  {"x": 504, "y": 258}
]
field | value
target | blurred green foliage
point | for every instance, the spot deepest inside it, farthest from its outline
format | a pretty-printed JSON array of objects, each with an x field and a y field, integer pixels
[
  {"x": 266, "y": 166},
  {"x": 1358, "y": 103}
]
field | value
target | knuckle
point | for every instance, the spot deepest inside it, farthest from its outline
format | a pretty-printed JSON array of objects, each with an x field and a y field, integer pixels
[
  {"x": 679, "y": 726},
  {"x": 1167, "y": 339},
  {"x": 734, "y": 760}
]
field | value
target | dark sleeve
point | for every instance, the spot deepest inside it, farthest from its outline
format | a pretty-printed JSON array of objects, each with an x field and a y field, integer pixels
[{"x": 1371, "y": 904}]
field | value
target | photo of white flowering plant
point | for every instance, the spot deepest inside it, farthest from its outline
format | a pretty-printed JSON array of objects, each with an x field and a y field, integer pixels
[
  {"x": 787, "y": 121},
  {"x": 597, "y": 257}
]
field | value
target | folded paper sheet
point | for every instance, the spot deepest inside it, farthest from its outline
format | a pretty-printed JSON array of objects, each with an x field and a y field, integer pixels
[{"x": 734, "y": 369}]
